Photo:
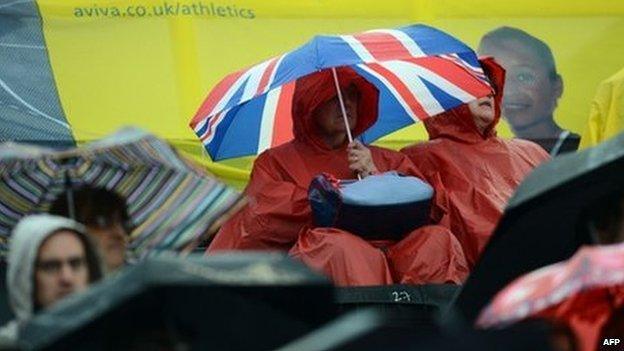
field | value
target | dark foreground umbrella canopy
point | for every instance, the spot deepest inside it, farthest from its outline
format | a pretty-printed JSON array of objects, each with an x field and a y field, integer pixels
[
  {"x": 517, "y": 339},
  {"x": 544, "y": 221},
  {"x": 233, "y": 301},
  {"x": 367, "y": 330}
]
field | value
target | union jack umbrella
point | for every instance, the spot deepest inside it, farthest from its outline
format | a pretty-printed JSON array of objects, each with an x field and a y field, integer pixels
[{"x": 420, "y": 72}]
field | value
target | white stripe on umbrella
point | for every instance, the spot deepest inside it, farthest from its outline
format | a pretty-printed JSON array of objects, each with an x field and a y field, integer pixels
[
  {"x": 272, "y": 77},
  {"x": 251, "y": 89},
  {"x": 409, "y": 68},
  {"x": 200, "y": 125},
  {"x": 255, "y": 75},
  {"x": 212, "y": 127},
  {"x": 268, "y": 119},
  {"x": 416, "y": 86},
  {"x": 230, "y": 93},
  {"x": 465, "y": 63},
  {"x": 393, "y": 91},
  {"x": 358, "y": 47},
  {"x": 477, "y": 71},
  {"x": 405, "y": 40}
]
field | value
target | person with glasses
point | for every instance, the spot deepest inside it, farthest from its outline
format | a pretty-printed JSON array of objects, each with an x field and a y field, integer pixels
[
  {"x": 105, "y": 215},
  {"x": 532, "y": 88},
  {"x": 49, "y": 258}
]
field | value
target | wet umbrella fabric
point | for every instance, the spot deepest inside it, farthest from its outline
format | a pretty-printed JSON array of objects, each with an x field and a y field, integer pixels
[
  {"x": 370, "y": 329},
  {"x": 231, "y": 301},
  {"x": 170, "y": 200},
  {"x": 585, "y": 293},
  {"x": 419, "y": 71},
  {"x": 543, "y": 222},
  {"x": 590, "y": 269}
]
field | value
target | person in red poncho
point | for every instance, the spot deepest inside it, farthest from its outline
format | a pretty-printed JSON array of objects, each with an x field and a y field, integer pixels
[
  {"x": 473, "y": 171},
  {"x": 278, "y": 216},
  {"x": 596, "y": 314}
]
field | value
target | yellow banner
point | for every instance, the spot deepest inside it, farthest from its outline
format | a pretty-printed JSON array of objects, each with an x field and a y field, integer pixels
[{"x": 151, "y": 63}]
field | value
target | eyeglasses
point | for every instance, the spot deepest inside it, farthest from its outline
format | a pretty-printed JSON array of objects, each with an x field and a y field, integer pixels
[
  {"x": 55, "y": 266},
  {"x": 103, "y": 222}
]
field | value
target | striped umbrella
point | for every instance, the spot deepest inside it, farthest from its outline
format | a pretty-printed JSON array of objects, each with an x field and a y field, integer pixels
[
  {"x": 171, "y": 202},
  {"x": 419, "y": 71}
]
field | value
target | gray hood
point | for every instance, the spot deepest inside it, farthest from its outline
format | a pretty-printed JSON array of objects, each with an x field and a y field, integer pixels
[{"x": 24, "y": 245}]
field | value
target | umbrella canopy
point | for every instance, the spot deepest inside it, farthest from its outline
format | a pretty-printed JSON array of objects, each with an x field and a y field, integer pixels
[
  {"x": 544, "y": 221},
  {"x": 170, "y": 201},
  {"x": 590, "y": 269},
  {"x": 232, "y": 301},
  {"x": 30, "y": 104},
  {"x": 530, "y": 337},
  {"x": 418, "y": 70},
  {"x": 370, "y": 329}
]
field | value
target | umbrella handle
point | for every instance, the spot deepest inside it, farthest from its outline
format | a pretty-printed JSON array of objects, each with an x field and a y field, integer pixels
[
  {"x": 343, "y": 109},
  {"x": 69, "y": 193}
]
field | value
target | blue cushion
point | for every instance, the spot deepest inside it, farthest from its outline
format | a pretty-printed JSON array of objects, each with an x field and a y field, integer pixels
[
  {"x": 385, "y": 189},
  {"x": 384, "y": 206}
]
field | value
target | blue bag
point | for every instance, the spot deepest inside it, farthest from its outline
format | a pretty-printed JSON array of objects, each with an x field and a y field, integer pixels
[{"x": 383, "y": 206}]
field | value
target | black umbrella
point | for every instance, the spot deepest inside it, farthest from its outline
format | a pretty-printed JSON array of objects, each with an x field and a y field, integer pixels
[
  {"x": 368, "y": 330},
  {"x": 242, "y": 301},
  {"x": 521, "y": 338},
  {"x": 544, "y": 221}
]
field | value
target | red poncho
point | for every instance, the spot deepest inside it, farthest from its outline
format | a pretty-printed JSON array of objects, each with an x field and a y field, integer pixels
[
  {"x": 592, "y": 317},
  {"x": 474, "y": 174},
  {"x": 583, "y": 298},
  {"x": 278, "y": 215}
]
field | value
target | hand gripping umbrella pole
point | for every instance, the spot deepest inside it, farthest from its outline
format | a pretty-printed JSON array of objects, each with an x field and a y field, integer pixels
[{"x": 344, "y": 110}]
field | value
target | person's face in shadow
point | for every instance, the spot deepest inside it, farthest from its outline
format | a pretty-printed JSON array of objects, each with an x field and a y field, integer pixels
[
  {"x": 329, "y": 117},
  {"x": 112, "y": 238},
  {"x": 530, "y": 93}
]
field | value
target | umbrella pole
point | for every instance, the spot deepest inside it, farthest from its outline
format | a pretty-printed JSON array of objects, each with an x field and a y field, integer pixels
[
  {"x": 71, "y": 208},
  {"x": 343, "y": 109},
  {"x": 342, "y": 105}
]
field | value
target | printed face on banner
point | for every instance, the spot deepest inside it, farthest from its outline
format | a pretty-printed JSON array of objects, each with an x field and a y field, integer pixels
[{"x": 531, "y": 87}]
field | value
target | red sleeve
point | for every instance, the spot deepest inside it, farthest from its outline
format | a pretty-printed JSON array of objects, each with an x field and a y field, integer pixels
[
  {"x": 389, "y": 160},
  {"x": 534, "y": 153},
  {"x": 276, "y": 211},
  {"x": 428, "y": 172}
]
